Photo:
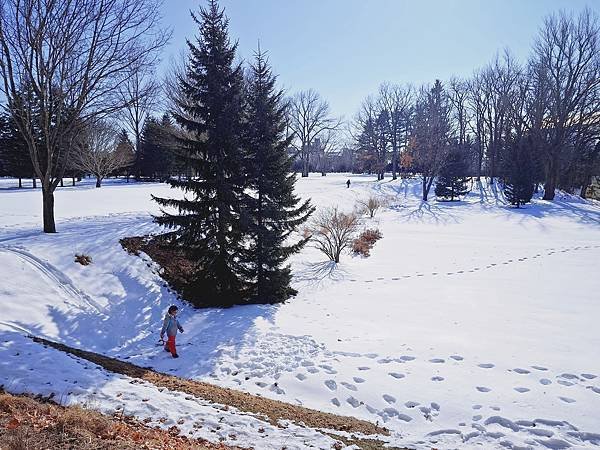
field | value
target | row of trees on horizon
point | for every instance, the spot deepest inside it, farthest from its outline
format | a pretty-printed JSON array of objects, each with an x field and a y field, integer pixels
[{"x": 535, "y": 123}]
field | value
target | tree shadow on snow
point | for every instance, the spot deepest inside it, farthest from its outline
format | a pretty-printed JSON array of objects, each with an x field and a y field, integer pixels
[{"x": 315, "y": 274}]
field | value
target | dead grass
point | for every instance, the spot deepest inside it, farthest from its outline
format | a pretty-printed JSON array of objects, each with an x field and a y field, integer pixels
[
  {"x": 272, "y": 410},
  {"x": 28, "y": 423}
]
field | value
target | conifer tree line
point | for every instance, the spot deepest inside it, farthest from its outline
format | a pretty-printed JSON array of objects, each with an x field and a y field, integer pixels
[{"x": 531, "y": 125}]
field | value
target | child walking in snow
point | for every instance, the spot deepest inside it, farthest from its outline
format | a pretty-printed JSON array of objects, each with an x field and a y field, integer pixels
[{"x": 170, "y": 326}]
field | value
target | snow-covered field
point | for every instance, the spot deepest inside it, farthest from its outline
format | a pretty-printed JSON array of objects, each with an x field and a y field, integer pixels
[{"x": 471, "y": 324}]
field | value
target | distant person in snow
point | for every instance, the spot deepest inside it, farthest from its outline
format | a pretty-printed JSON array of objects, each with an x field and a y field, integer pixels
[
  {"x": 170, "y": 326},
  {"x": 348, "y": 184}
]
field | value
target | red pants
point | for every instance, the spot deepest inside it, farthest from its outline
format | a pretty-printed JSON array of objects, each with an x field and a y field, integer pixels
[{"x": 170, "y": 345}]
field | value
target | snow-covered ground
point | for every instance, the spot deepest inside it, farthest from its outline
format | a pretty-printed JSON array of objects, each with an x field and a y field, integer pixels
[{"x": 472, "y": 324}]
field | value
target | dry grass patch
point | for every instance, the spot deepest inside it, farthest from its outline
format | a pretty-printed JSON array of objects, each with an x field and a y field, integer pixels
[{"x": 34, "y": 423}]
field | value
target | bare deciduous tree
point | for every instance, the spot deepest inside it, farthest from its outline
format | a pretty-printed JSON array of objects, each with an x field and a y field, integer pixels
[
  {"x": 140, "y": 95},
  {"x": 432, "y": 133},
  {"x": 397, "y": 102},
  {"x": 96, "y": 151},
  {"x": 490, "y": 94},
  {"x": 567, "y": 59},
  {"x": 370, "y": 205},
  {"x": 309, "y": 117},
  {"x": 62, "y": 64},
  {"x": 332, "y": 231},
  {"x": 371, "y": 133}
]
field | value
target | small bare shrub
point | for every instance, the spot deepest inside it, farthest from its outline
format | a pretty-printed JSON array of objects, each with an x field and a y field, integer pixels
[
  {"x": 363, "y": 244},
  {"x": 331, "y": 232},
  {"x": 370, "y": 206},
  {"x": 83, "y": 259}
]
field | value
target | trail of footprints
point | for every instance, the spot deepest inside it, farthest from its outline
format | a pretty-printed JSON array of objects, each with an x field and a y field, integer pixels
[
  {"x": 347, "y": 391},
  {"x": 549, "y": 252}
]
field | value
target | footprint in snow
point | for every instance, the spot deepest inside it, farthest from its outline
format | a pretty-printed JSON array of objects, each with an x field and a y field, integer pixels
[
  {"x": 330, "y": 370},
  {"x": 354, "y": 402},
  {"x": 567, "y": 399},
  {"x": 437, "y": 361},
  {"x": 539, "y": 368},
  {"x": 358, "y": 380},
  {"x": 588, "y": 376},
  {"x": 301, "y": 376},
  {"x": 569, "y": 376},
  {"x": 411, "y": 404},
  {"x": 477, "y": 417},
  {"x": 457, "y": 357},
  {"x": 594, "y": 389},
  {"x": 396, "y": 375},
  {"x": 437, "y": 378},
  {"x": 565, "y": 383},
  {"x": 477, "y": 406},
  {"x": 389, "y": 398},
  {"x": 521, "y": 390},
  {"x": 486, "y": 365},
  {"x": 407, "y": 358},
  {"x": 331, "y": 384},
  {"x": 349, "y": 386},
  {"x": 312, "y": 370},
  {"x": 335, "y": 401},
  {"x": 521, "y": 371},
  {"x": 545, "y": 381},
  {"x": 483, "y": 389},
  {"x": 364, "y": 368}
]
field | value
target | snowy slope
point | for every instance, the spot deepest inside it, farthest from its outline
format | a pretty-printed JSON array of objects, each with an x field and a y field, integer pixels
[{"x": 472, "y": 324}]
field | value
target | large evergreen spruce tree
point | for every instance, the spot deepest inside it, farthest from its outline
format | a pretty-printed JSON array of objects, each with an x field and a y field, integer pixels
[
  {"x": 274, "y": 210},
  {"x": 519, "y": 172},
  {"x": 452, "y": 182},
  {"x": 208, "y": 222}
]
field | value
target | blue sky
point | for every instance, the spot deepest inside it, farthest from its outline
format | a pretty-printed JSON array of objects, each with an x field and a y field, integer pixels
[{"x": 345, "y": 48}]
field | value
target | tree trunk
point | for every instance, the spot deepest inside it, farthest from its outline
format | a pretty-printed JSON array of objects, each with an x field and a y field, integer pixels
[
  {"x": 48, "y": 210},
  {"x": 34, "y": 183},
  {"x": 98, "y": 181},
  {"x": 425, "y": 191},
  {"x": 73, "y": 181},
  {"x": 549, "y": 188},
  {"x": 394, "y": 165},
  {"x": 20, "y": 183},
  {"x": 62, "y": 184},
  {"x": 587, "y": 180},
  {"x": 305, "y": 167}
]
